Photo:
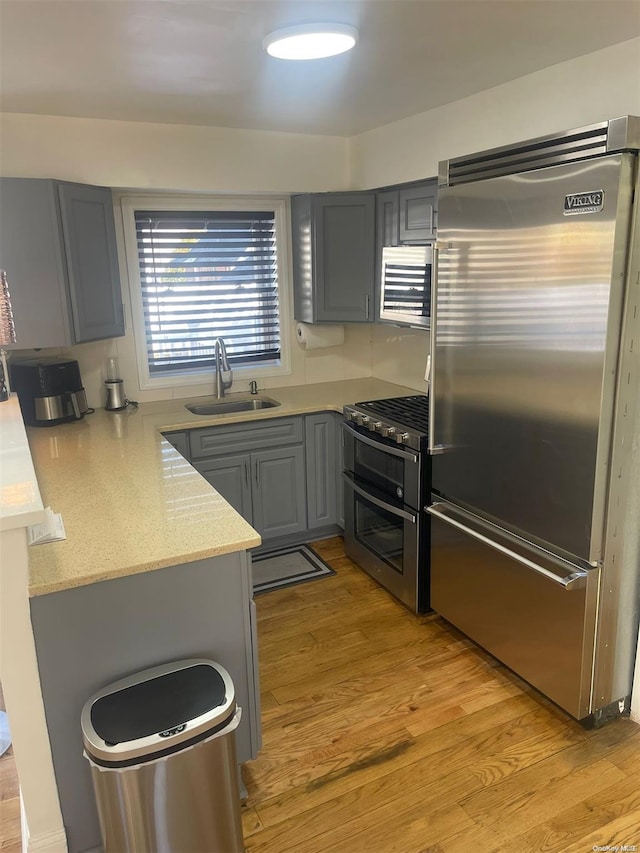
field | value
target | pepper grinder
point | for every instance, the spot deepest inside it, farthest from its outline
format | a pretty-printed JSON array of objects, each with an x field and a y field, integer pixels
[{"x": 116, "y": 398}]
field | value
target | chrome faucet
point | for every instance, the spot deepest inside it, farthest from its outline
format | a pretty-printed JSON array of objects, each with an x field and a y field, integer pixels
[{"x": 222, "y": 364}]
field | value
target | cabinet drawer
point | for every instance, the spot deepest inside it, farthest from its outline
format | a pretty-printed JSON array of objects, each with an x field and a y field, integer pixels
[
  {"x": 531, "y": 622},
  {"x": 244, "y": 437}
]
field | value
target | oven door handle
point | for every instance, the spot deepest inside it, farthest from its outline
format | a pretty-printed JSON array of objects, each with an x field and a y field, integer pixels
[
  {"x": 383, "y": 448},
  {"x": 394, "y": 510}
]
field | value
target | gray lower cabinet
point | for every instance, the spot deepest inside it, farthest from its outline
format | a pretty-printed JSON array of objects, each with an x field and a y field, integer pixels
[
  {"x": 180, "y": 440},
  {"x": 279, "y": 500},
  {"x": 231, "y": 476},
  {"x": 266, "y": 486},
  {"x": 333, "y": 245},
  {"x": 58, "y": 246},
  {"x": 320, "y": 439},
  {"x": 90, "y": 636},
  {"x": 284, "y": 489},
  {"x": 339, "y": 467}
]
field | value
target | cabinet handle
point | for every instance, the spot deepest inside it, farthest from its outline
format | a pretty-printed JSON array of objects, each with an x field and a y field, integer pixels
[
  {"x": 367, "y": 302},
  {"x": 257, "y": 473},
  {"x": 246, "y": 473}
]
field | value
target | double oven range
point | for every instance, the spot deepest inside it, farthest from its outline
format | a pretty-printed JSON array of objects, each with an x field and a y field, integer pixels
[{"x": 387, "y": 480}]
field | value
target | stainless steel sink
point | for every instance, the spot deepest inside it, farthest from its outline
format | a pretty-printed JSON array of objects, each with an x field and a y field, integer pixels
[{"x": 226, "y": 406}]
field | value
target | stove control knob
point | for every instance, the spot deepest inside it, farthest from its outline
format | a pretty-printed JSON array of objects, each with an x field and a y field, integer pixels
[
  {"x": 374, "y": 426},
  {"x": 362, "y": 420},
  {"x": 388, "y": 432},
  {"x": 402, "y": 437},
  {"x": 353, "y": 416}
]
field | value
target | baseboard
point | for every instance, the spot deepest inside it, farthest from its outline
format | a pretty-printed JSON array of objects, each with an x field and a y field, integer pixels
[
  {"x": 50, "y": 842},
  {"x": 303, "y": 538}
]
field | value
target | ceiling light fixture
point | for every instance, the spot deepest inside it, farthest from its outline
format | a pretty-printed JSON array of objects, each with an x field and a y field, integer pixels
[{"x": 310, "y": 41}]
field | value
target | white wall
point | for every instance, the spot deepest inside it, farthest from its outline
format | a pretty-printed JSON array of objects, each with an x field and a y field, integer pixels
[
  {"x": 170, "y": 156},
  {"x": 592, "y": 88}
]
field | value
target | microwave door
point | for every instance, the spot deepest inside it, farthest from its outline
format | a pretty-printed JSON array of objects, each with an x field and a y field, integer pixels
[{"x": 405, "y": 287}]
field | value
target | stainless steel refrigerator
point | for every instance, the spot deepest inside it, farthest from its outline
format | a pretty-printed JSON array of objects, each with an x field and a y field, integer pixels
[{"x": 535, "y": 375}]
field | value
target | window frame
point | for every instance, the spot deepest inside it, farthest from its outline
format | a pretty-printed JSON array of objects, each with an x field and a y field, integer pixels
[{"x": 129, "y": 204}]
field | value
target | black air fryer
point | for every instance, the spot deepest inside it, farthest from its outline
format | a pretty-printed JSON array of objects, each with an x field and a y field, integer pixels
[{"x": 49, "y": 389}]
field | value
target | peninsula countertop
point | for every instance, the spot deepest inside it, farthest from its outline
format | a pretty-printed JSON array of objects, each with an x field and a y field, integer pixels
[{"x": 131, "y": 503}]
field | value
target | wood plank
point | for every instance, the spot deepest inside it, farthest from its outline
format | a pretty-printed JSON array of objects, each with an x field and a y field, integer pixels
[
  {"x": 10, "y": 832},
  {"x": 573, "y": 825},
  {"x": 394, "y": 750},
  {"x": 396, "y": 734}
]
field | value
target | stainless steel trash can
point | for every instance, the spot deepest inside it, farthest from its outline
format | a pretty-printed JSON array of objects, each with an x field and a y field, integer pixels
[{"x": 161, "y": 744}]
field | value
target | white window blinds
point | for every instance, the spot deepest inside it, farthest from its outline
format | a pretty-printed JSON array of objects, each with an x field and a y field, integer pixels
[{"x": 208, "y": 275}]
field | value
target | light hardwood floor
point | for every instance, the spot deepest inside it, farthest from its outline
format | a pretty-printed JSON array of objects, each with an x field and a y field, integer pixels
[
  {"x": 10, "y": 836},
  {"x": 388, "y": 733}
]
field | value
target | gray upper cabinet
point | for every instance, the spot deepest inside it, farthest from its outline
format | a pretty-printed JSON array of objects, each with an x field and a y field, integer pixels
[
  {"x": 89, "y": 235},
  {"x": 406, "y": 214},
  {"x": 58, "y": 246},
  {"x": 333, "y": 257}
]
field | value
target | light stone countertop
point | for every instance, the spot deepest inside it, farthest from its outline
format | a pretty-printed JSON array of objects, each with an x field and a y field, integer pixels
[
  {"x": 20, "y": 502},
  {"x": 131, "y": 503}
]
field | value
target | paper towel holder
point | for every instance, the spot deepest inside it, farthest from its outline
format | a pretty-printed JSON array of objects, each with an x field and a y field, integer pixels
[{"x": 319, "y": 335}]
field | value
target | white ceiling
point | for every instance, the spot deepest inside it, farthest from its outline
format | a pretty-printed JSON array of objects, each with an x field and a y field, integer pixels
[{"x": 193, "y": 62}]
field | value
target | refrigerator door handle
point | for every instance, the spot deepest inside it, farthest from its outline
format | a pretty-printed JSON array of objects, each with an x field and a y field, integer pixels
[
  {"x": 575, "y": 580},
  {"x": 430, "y": 372}
]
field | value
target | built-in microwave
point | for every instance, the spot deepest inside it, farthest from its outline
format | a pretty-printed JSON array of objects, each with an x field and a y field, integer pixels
[{"x": 405, "y": 286}]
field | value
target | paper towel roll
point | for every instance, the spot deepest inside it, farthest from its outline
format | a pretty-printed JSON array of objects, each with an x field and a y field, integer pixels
[{"x": 319, "y": 336}]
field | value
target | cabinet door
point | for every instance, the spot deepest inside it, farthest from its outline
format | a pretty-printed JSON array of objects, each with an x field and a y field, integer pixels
[
  {"x": 417, "y": 213},
  {"x": 344, "y": 257},
  {"x": 92, "y": 262},
  {"x": 387, "y": 218},
  {"x": 279, "y": 499},
  {"x": 320, "y": 436},
  {"x": 180, "y": 440},
  {"x": 31, "y": 251},
  {"x": 230, "y": 475},
  {"x": 339, "y": 468},
  {"x": 302, "y": 256},
  {"x": 387, "y": 230}
]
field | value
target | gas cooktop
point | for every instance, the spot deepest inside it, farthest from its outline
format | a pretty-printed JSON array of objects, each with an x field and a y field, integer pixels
[{"x": 404, "y": 420}]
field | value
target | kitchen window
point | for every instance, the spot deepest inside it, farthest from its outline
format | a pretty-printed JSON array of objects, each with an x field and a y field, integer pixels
[{"x": 201, "y": 269}]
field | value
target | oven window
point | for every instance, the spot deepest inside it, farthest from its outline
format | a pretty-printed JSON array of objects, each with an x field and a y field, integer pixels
[
  {"x": 380, "y": 469},
  {"x": 380, "y": 532}
]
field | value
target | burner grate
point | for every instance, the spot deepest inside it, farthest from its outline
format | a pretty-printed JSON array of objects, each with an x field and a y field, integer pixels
[{"x": 411, "y": 412}]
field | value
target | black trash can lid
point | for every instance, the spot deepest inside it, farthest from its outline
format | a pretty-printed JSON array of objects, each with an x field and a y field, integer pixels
[{"x": 153, "y": 712}]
